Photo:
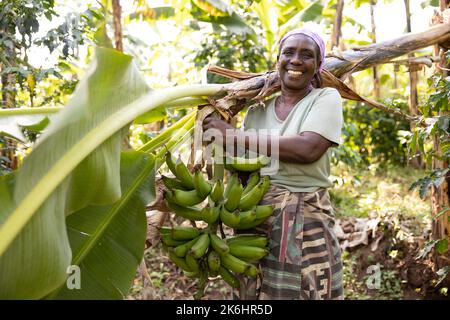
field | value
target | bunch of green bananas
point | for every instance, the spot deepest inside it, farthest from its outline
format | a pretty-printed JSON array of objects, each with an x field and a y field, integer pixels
[{"x": 202, "y": 253}]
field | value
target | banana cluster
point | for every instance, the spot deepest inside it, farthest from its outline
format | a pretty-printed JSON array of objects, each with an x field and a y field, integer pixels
[{"x": 202, "y": 253}]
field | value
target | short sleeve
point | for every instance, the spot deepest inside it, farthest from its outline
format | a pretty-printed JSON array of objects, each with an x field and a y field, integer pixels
[{"x": 325, "y": 116}]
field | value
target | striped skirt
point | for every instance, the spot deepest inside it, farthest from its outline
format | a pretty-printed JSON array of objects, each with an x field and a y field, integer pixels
[{"x": 304, "y": 262}]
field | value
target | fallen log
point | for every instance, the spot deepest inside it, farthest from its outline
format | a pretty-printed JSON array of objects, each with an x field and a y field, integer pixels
[{"x": 253, "y": 87}]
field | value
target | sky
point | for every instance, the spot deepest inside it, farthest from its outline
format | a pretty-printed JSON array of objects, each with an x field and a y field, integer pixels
[{"x": 389, "y": 17}]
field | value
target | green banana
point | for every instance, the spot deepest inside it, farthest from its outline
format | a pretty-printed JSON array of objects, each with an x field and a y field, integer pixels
[
  {"x": 232, "y": 182},
  {"x": 192, "y": 263},
  {"x": 202, "y": 186},
  {"x": 184, "y": 233},
  {"x": 180, "y": 262},
  {"x": 199, "y": 248},
  {"x": 231, "y": 219},
  {"x": 213, "y": 261},
  {"x": 266, "y": 184},
  {"x": 218, "y": 244},
  {"x": 229, "y": 278},
  {"x": 252, "y": 182},
  {"x": 247, "y": 217},
  {"x": 172, "y": 183},
  {"x": 234, "y": 197},
  {"x": 182, "y": 249},
  {"x": 264, "y": 211},
  {"x": 190, "y": 213},
  {"x": 171, "y": 242},
  {"x": 247, "y": 165},
  {"x": 165, "y": 230},
  {"x": 247, "y": 253},
  {"x": 184, "y": 175},
  {"x": 233, "y": 263},
  {"x": 252, "y": 271},
  {"x": 249, "y": 240},
  {"x": 171, "y": 163},
  {"x": 217, "y": 191},
  {"x": 250, "y": 225},
  {"x": 186, "y": 198},
  {"x": 254, "y": 196},
  {"x": 210, "y": 214}
]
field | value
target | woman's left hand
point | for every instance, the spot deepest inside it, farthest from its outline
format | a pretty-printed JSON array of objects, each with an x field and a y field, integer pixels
[{"x": 222, "y": 126}]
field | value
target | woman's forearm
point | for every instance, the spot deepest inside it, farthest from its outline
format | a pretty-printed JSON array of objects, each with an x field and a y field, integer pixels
[{"x": 302, "y": 148}]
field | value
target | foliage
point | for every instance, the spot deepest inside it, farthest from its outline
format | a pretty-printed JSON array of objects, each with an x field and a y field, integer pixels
[
  {"x": 371, "y": 136},
  {"x": 19, "y": 22},
  {"x": 357, "y": 192},
  {"x": 437, "y": 130},
  {"x": 231, "y": 51}
]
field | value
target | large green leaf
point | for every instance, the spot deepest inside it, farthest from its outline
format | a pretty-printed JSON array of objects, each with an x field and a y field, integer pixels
[
  {"x": 234, "y": 24},
  {"x": 309, "y": 13},
  {"x": 75, "y": 164},
  {"x": 13, "y": 120},
  {"x": 36, "y": 261},
  {"x": 221, "y": 16},
  {"x": 268, "y": 15},
  {"x": 108, "y": 241}
]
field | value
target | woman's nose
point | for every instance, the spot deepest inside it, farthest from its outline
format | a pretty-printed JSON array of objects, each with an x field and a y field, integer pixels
[{"x": 296, "y": 59}]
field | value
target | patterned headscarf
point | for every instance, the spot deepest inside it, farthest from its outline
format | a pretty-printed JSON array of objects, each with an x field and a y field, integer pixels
[{"x": 317, "y": 39}]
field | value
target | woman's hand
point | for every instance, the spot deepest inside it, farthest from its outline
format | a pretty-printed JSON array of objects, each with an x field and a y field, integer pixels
[{"x": 218, "y": 124}]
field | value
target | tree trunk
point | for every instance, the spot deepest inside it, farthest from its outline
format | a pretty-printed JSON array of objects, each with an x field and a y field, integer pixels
[
  {"x": 376, "y": 80},
  {"x": 440, "y": 196},
  {"x": 416, "y": 161},
  {"x": 257, "y": 87},
  {"x": 117, "y": 16},
  {"x": 364, "y": 57},
  {"x": 337, "y": 24}
]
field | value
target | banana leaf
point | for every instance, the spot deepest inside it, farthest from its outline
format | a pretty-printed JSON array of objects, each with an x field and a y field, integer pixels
[
  {"x": 74, "y": 164},
  {"x": 108, "y": 241},
  {"x": 35, "y": 262},
  {"x": 12, "y": 124}
]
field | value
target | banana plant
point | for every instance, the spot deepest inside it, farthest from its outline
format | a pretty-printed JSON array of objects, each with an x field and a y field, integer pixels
[
  {"x": 277, "y": 18},
  {"x": 72, "y": 197}
]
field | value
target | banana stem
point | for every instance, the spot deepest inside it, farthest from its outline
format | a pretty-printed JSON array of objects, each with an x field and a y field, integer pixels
[
  {"x": 181, "y": 103},
  {"x": 175, "y": 141},
  {"x": 166, "y": 135}
]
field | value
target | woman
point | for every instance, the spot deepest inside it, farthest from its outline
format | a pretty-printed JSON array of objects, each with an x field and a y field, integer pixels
[{"x": 304, "y": 260}]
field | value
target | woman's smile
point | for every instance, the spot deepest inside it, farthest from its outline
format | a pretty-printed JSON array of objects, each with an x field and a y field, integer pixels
[{"x": 294, "y": 74}]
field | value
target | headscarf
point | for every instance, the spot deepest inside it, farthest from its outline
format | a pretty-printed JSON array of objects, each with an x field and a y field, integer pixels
[{"x": 313, "y": 35}]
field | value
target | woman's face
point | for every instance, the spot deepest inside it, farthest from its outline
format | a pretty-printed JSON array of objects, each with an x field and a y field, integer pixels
[{"x": 297, "y": 62}]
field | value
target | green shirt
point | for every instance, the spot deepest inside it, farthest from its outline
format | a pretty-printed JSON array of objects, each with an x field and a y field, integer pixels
[{"x": 320, "y": 112}]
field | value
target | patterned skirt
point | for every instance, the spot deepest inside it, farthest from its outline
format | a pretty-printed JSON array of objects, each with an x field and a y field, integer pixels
[{"x": 304, "y": 262}]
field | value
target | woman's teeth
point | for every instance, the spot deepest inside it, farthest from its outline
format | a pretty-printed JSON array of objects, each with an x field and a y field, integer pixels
[{"x": 294, "y": 73}]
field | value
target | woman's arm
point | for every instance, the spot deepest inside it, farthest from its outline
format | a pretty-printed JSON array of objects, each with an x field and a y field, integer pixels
[{"x": 305, "y": 147}]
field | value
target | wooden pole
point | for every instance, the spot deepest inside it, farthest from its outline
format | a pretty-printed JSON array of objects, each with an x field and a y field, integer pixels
[
  {"x": 117, "y": 22},
  {"x": 337, "y": 25},
  {"x": 416, "y": 161},
  {"x": 376, "y": 80},
  {"x": 440, "y": 195}
]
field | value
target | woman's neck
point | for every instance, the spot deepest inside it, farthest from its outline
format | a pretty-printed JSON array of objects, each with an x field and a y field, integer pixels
[{"x": 290, "y": 97}]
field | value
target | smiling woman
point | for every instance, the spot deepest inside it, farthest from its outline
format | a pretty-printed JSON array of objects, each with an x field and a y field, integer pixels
[{"x": 304, "y": 260}]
